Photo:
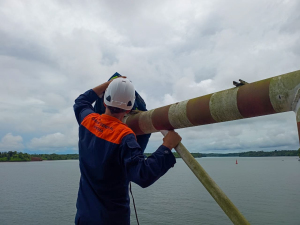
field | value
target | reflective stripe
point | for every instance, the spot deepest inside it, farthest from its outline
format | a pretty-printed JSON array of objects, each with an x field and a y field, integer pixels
[
  {"x": 145, "y": 122},
  {"x": 177, "y": 115},
  {"x": 106, "y": 127},
  {"x": 283, "y": 90},
  {"x": 223, "y": 105}
]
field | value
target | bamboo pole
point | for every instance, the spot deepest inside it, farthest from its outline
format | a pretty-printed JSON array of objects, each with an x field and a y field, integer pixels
[{"x": 215, "y": 191}]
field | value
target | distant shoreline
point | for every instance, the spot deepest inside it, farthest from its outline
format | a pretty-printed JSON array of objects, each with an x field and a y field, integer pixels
[
  {"x": 25, "y": 157},
  {"x": 150, "y": 154},
  {"x": 275, "y": 153}
]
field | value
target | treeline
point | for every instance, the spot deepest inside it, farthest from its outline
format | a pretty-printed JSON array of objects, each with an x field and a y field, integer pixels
[
  {"x": 243, "y": 154},
  {"x": 56, "y": 156},
  {"x": 256, "y": 154},
  {"x": 273, "y": 153},
  {"x": 22, "y": 157},
  {"x": 220, "y": 155},
  {"x": 14, "y": 157}
]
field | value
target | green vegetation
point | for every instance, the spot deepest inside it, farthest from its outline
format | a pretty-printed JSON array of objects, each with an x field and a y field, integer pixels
[
  {"x": 22, "y": 157},
  {"x": 274, "y": 153},
  {"x": 254, "y": 154},
  {"x": 14, "y": 156},
  {"x": 220, "y": 155},
  {"x": 56, "y": 156},
  {"x": 243, "y": 154}
]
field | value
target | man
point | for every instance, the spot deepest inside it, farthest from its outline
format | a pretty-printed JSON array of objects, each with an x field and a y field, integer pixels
[
  {"x": 110, "y": 156},
  {"x": 139, "y": 104}
]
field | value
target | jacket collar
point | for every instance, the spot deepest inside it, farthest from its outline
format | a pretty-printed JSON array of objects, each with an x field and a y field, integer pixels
[{"x": 110, "y": 118}]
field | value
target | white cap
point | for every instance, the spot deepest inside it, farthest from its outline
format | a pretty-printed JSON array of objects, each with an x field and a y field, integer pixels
[{"x": 120, "y": 93}]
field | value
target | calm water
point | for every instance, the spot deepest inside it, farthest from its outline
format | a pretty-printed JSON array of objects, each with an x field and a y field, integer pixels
[{"x": 265, "y": 190}]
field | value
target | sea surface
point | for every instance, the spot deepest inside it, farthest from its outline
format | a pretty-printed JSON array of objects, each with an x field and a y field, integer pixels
[{"x": 266, "y": 190}]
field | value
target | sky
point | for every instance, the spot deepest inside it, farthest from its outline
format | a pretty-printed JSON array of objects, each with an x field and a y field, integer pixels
[{"x": 52, "y": 51}]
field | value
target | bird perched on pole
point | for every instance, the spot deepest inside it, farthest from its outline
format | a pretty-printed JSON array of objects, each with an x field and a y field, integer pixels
[{"x": 237, "y": 84}]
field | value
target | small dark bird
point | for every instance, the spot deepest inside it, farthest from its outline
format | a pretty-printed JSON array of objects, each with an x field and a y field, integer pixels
[
  {"x": 237, "y": 84},
  {"x": 243, "y": 82}
]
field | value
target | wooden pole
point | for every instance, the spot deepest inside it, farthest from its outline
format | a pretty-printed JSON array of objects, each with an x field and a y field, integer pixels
[{"x": 215, "y": 191}]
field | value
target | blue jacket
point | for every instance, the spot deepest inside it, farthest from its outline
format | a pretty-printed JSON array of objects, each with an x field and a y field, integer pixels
[{"x": 109, "y": 158}]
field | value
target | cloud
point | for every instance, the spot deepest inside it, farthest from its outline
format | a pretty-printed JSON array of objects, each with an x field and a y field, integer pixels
[
  {"x": 11, "y": 143},
  {"x": 52, "y": 51},
  {"x": 53, "y": 142}
]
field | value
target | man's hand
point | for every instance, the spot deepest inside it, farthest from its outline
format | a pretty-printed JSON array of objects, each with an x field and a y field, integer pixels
[
  {"x": 171, "y": 140},
  {"x": 116, "y": 78},
  {"x": 102, "y": 87}
]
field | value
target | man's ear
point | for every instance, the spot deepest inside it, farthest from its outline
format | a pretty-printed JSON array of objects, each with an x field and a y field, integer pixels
[{"x": 127, "y": 111}]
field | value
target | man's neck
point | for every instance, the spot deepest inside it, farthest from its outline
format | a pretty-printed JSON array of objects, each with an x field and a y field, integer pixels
[{"x": 119, "y": 116}]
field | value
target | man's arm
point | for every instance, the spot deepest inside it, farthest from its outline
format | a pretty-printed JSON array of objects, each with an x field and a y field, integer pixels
[
  {"x": 102, "y": 87},
  {"x": 83, "y": 104},
  {"x": 145, "y": 171},
  {"x": 143, "y": 140}
]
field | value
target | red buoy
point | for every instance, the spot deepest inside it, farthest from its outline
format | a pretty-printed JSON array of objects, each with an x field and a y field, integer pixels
[{"x": 236, "y": 162}]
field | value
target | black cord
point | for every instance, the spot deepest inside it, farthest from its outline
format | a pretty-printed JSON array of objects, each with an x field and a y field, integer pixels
[{"x": 133, "y": 204}]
